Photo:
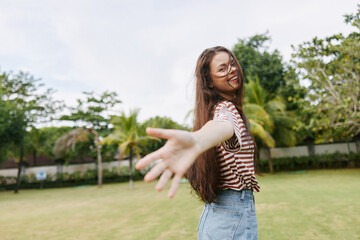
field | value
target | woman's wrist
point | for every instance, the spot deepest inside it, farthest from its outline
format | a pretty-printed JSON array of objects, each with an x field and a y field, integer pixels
[
  {"x": 199, "y": 146},
  {"x": 211, "y": 134}
]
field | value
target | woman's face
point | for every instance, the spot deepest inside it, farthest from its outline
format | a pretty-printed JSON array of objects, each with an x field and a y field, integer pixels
[{"x": 224, "y": 75}]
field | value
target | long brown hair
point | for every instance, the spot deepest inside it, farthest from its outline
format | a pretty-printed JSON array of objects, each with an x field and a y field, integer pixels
[{"x": 204, "y": 174}]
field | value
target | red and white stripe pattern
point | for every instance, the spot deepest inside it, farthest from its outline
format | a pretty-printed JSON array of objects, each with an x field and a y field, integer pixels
[{"x": 236, "y": 155}]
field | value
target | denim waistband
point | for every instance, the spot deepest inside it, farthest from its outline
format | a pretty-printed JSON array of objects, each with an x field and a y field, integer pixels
[{"x": 234, "y": 195}]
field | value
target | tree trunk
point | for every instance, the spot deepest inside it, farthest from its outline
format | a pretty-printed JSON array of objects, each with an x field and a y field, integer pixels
[
  {"x": 34, "y": 157},
  {"x": 271, "y": 165},
  {"x": 357, "y": 142},
  {"x": 131, "y": 170},
  {"x": 59, "y": 171},
  {"x": 311, "y": 146},
  {"x": 17, "y": 186},
  {"x": 99, "y": 159}
]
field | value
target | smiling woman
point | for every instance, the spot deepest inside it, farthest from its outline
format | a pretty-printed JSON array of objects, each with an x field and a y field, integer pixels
[
  {"x": 218, "y": 157},
  {"x": 224, "y": 75}
]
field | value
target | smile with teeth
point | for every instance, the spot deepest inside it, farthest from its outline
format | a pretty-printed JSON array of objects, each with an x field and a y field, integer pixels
[{"x": 234, "y": 79}]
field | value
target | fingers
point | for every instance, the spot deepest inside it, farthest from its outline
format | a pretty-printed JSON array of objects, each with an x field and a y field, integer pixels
[
  {"x": 174, "y": 185},
  {"x": 159, "y": 132},
  {"x": 155, "y": 172},
  {"x": 152, "y": 157},
  {"x": 165, "y": 177}
]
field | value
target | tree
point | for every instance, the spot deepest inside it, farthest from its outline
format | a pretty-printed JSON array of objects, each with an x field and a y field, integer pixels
[
  {"x": 40, "y": 141},
  {"x": 277, "y": 77},
  {"x": 159, "y": 122},
  {"x": 90, "y": 116},
  {"x": 256, "y": 60},
  {"x": 11, "y": 128},
  {"x": 130, "y": 137},
  {"x": 270, "y": 122},
  {"x": 20, "y": 95},
  {"x": 69, "y": 141},
  {"x": 332, "y": 66},
  {"x": 293, "y": 92}
]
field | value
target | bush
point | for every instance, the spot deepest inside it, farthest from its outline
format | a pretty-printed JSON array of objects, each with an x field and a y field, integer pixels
[
  {"x": 75, "y": 176},
  {"x": 7, "y": 180},
  {"x": 90, "y": 174},
  {"x": 323, "y": 161},
  {"x": 32, "y": 177},
  {"x": 74, "y": 179},
  {"x": 124, "y": 171},
  {"x": 60, "y": 177}
]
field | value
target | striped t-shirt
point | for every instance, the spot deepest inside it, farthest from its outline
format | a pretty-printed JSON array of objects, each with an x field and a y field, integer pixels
[{"x": 236, "y": 155}]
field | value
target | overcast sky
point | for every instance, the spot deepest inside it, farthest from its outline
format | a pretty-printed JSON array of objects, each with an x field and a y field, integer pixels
[{"x": 146, "y": 50}]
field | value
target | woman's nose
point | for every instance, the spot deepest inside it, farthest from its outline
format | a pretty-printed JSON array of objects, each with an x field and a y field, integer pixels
[{"x": 232, "y": 68}]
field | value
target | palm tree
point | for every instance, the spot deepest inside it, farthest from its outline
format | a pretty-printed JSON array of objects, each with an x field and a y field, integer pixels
[
  {"x": 69, "y": 140},
  {"x": 269, "y": 120},
  {"x": 130, "y": 137},
  {"x": 159, "y": 122}
]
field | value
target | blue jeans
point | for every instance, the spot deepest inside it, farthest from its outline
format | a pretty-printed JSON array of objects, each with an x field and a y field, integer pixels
[{"x": 231, "y": 216}]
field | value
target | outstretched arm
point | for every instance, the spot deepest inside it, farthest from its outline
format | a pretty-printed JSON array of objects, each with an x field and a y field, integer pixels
[{"x": 181, "y": 150}]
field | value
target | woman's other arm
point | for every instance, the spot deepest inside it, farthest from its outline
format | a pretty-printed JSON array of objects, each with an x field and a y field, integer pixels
[{"x": 181, "y": 150}]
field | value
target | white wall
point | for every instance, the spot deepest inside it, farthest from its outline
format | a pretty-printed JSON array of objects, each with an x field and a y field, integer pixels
[
  {"x": 303, "y": 150},
  {"x": 336, "y": 147},
  {"x": 290, "y": 151}
]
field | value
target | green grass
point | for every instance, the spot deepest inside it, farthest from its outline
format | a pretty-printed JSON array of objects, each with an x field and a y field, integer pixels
[{"x": 312, "y": 205}]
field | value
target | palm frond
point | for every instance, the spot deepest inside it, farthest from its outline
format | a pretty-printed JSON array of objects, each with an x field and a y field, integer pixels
[
  {"x": 258, "y": 131},
  {"x": 284, "y": 136},
  {"x": 275, "y": 105},
  {"x": 257, "y": 113},
  {"x": 254, "y": 93},
  {"x": 69, "y": 140},
  {"x": 268, "y": 115}
]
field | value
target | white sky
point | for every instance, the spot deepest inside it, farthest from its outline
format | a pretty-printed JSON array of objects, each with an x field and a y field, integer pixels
[{"x": 146, "y": 50}]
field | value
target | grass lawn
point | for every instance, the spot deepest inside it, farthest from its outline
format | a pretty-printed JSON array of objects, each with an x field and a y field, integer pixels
[{"x": 322, "y": 204}]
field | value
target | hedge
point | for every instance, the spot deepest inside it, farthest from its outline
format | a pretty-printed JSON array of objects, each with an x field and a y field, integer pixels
[
  {"x": 68, "y": 180},
  {"x": 321, "y": 161}
]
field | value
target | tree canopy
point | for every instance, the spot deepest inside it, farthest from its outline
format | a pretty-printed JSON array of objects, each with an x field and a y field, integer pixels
[
  {"x": 332, "y": 67},
  {"x": 24, "y": 103},
  {"x": 90, "y": 113},
  {"x": 256, "y": 60}
]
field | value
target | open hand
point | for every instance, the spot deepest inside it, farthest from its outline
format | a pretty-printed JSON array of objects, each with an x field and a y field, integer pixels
[{"x": 178, "y": 154}]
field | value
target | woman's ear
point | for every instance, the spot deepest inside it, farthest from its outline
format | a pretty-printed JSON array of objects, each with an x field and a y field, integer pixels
[{"x": 211, "y": 85}]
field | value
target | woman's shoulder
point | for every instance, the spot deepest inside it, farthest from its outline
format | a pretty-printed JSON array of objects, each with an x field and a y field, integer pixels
[{"x": 225, "y": 104}]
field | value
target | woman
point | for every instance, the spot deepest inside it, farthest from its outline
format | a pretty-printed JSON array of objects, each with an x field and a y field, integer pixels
[{"x": 219, "y": 156}]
